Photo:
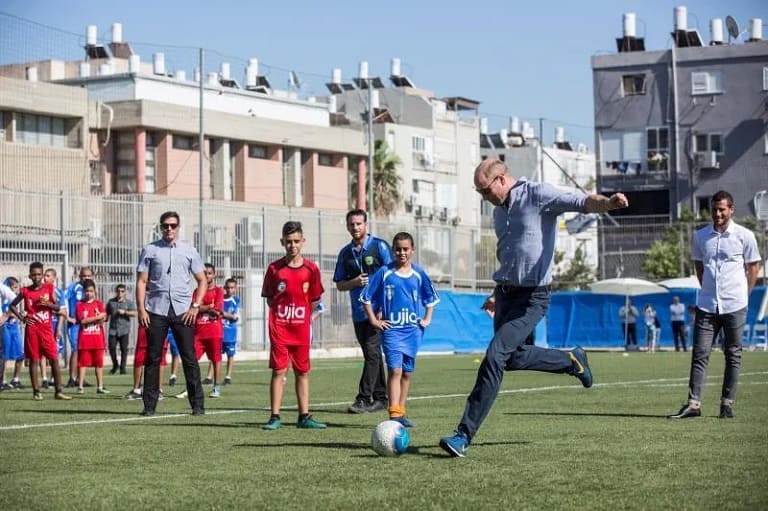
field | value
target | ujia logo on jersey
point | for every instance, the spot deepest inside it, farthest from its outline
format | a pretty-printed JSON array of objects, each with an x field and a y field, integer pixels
[
  {"x": 291, "y": 312},
  {"x": 403, "y": 317}
]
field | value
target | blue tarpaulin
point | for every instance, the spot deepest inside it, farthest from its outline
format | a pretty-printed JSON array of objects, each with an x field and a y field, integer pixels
[{"x": 574, "y": 318}]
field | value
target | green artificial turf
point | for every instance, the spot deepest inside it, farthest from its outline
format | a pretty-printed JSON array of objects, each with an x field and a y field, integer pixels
[{"x": 547, "y": 444}]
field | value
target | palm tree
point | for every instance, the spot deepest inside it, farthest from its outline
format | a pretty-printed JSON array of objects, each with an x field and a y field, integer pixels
[{"x": 386, "y": 180}]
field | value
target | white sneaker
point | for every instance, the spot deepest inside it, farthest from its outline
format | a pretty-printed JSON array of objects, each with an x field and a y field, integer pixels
[
  {"x": 183, "y": 395},
  {"x": 215, "y": 393}
]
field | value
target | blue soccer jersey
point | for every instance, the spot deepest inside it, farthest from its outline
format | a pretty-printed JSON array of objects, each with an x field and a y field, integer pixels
[
  {"x": 402, "y": 298},
  {"x": 63, "y": 307},
  {"x": 231, "y": 306}
]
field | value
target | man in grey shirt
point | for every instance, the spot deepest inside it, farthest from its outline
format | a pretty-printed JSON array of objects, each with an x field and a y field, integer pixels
[
  {"x": 120, "y": 310},
  {"x": 164, "y": 299},
  {"x": 525, "y": 221}
]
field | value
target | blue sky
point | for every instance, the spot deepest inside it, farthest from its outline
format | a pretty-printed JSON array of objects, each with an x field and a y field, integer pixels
[{"x": 525, "y": 59}]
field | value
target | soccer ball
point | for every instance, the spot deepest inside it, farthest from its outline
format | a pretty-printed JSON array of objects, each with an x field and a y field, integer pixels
[{"x": 390, "y": 438}]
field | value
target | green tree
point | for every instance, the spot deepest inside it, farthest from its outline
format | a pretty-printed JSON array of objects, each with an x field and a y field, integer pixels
[
  {"x": 386, "y": 181},
  {"x": 578, "y": 276}
]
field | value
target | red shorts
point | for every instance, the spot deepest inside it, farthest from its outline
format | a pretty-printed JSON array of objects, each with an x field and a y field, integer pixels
[
  {"x": 40, "y": 342},
  {"x": 211, "y": 348},
  {"x": 297, "y": 354},
  {"x": 140, "y": 354},
  {"x": 90, "y": 358}
]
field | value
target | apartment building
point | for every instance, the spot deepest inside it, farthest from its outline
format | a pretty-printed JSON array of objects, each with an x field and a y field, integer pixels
[{"x": 674, "y": 126}]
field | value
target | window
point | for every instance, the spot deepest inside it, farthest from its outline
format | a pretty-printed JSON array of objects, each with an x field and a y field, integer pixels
[
  {"x": 325, "y": 159},
  {"x": 657, "y": 143},
  {"x": 125, "y": 163},
  {"x": 418, "y": 144},
  {"x": 41, "y": 130},
  {"x": 258, "y": 151},
  {"x": 621, "y": 151},
  {"x": 702, "y": 201},
  {"x": 708, "y": 142},
  {"x": 184, "y": 142},
  {"x": 149, "y": 164},
  {"x": 706, "y": 82},
  {"x": 765, "y": 78},
  {"x": 632, "y": 85}
]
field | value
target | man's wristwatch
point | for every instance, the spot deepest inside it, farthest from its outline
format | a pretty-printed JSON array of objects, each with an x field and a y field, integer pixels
[{"x": 195, "y": 305}]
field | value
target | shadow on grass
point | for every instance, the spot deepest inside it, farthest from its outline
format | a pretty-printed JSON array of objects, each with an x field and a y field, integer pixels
[
  {"x": 256, "y": 426},
  {"x": 589, "y": 414}
]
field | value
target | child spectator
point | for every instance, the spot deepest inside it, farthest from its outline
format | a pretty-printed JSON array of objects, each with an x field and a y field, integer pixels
[
  {"x": 139, "y": 358},
  {"x": 292, "y": 287},
  {"x": 90, "y": 315},
  {"x": 13, "y": 347},
  {"x": 59, "y": 322},
  {"x": 39, "y": 305},
  {"x": 208, "y": 331},
  {"x": 402, "y": 289}
]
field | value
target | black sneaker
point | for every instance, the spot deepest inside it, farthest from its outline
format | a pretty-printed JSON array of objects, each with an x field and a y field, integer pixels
[
  {"x": 71, "y": 384},
  {"x": 726, "y": 411},
  {"x": 227, "y": 380},
  {"x": 45, "y": 383},
  {"x": 686, "y": 412},
  {"x": 377, "y": 405},
  {"x": 113, "y": 370},
  {"x": 359, "y": 406},
  {"x": 207, "y": 381}
]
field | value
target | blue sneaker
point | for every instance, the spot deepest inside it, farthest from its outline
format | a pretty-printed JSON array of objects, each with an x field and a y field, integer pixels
[
  {"x": 273, "y": 424},
  {"x": 309, "y": 422},
  {"x": 402, "y": 420},
  {"x": 456, "y": 445},
  {"x": 581, "y": 368}
]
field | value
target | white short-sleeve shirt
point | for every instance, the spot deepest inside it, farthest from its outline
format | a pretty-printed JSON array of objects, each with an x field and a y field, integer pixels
[{"x": 724, "y": 256}]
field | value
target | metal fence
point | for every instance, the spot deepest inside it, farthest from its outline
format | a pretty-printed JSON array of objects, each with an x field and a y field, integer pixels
[{"x": 107, "y": 233}]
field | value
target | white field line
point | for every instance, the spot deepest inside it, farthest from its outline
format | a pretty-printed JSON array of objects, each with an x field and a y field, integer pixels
[{"x": 660, "y": 382}]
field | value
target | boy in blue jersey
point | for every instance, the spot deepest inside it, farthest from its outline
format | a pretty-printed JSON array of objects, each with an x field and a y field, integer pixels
[
  {"x": 401, "y": 289},
  {"x": 13, "y": 346},
  {"x": 230, "y": 315}
]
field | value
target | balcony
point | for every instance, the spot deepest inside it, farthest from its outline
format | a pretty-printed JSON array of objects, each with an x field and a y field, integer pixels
[{"x": 634, "y": 175}]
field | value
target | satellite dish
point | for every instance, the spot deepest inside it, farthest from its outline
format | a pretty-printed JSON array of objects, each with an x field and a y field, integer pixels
[{"x": 733, "y": 27}]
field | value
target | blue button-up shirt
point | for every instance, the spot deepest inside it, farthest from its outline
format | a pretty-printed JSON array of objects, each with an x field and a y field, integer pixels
[
  {"x": 352, "y": 261},
  {"x": 526, "y": 229},
  {"x": 724, "y": 287},
  {"x": 170, "y": 268}
]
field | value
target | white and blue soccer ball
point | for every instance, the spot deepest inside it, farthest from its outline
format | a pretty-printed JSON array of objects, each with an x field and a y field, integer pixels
[{"x": 390, "y": 438}]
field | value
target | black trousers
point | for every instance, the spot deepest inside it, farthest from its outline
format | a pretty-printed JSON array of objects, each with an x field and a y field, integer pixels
[
  {"x": 630, "y": 333},
  {"x": 373, "y": 385},
  {"x": 185, "y": 340},
  {"x": 114, "y": 342}
]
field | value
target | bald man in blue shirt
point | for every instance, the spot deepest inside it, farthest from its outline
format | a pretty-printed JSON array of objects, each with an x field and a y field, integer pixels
[{"x": 525, "y": 221}]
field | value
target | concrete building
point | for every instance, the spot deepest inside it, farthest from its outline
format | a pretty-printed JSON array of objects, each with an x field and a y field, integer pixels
[
  {"x": 674, "y": 126},
  {"x": 434, "y": 138}
]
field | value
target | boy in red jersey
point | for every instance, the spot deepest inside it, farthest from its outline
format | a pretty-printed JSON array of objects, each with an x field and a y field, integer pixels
[
  {"x": 39, "y": 304},
  {"x": 90, "y": 315},
  {"x": 293, "y": 288},
  {"x": 209, "y": 333},
  {"x": 139, "y": 358}
]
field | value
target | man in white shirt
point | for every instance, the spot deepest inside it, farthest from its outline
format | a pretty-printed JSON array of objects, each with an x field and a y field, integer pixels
[
  {"x": 6, "y": 295},
  {"x": 727, "y": 262},
  {"x": 677, "y": 315}
]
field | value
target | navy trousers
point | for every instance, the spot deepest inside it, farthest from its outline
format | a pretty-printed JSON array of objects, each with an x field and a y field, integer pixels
[{"x": 518, "y": 311}]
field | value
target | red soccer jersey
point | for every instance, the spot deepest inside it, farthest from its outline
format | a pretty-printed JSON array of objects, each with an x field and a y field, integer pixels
[
  {"x": 292, "y": 290},
  {"x": 42, "y": 314},
  {"x": 90, "y": 337},
  {"x": 208, "y": 326}
]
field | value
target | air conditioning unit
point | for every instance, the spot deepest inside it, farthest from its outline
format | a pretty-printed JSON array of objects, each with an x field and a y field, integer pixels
[
  {"x": 427, "y": 160},
  {"x": 706, "y": 160},
  {"x": 253, "y": 231},
  {"x": 443, "y": 214},
  {"x": 214, "y": 236}
]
